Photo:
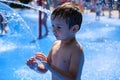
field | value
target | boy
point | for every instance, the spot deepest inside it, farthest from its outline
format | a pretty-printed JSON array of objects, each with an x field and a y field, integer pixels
[{"x": 65, "y": 59}]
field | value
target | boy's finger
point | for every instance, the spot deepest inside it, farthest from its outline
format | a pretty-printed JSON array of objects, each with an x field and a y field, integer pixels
[{"x": 40, "y": 54}]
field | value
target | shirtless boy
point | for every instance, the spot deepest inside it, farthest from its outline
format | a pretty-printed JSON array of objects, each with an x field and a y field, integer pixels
[{"x": 66, "y": 58}]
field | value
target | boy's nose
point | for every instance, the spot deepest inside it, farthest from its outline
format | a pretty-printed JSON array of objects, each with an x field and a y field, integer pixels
[{"x": 54, "y": 29}]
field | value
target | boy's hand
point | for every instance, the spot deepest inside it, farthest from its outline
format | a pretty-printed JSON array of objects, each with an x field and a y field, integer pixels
[
  {"x": 32, "y": 63},
  {"x": 41, "y": 57}
]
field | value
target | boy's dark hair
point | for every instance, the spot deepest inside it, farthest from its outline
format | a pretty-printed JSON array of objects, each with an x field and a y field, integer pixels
[{"x": 70, "y": 12}]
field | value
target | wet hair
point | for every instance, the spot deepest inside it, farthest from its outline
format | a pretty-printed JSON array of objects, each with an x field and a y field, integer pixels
[{"x": 70, "y": 12}]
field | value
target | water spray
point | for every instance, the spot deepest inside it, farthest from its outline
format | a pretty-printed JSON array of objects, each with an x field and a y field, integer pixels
[{"x": 39, "y": 8}]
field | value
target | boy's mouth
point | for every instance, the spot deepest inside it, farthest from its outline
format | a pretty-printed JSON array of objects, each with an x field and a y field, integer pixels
[{"x": 56, "y": 35}]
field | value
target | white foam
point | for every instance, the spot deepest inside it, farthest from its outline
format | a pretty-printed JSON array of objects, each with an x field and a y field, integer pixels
[
  {"x": 6, "y": 46},
  {"x": 25, "y": 73}
]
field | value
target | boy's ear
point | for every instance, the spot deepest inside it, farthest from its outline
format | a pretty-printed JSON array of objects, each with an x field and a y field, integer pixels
[{"x": 75, "y": 28}]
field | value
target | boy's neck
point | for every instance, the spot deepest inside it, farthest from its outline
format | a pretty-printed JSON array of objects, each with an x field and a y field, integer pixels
[{"x": 68, "y": 41}]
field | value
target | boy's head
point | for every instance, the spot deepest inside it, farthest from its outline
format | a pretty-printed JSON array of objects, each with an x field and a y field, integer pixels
[{"x": 70, "y": 12}]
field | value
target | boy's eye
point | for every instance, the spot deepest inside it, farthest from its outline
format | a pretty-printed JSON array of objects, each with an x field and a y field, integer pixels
[{"x": 58, "y": 27}]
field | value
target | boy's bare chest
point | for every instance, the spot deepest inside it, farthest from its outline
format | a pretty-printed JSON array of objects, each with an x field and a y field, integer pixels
[{"x": 61, "y": 58}]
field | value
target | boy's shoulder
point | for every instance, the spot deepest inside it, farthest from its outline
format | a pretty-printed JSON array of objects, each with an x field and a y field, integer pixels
[
  {"x": 57, "y": 42},
  {"x": 77, "y": 48}
]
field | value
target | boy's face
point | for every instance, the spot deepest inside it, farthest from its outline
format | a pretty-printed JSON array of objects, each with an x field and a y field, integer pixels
[{"x": 61, "y": 29}]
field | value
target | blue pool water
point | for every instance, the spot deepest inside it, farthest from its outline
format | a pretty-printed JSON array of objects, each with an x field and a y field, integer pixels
[{"x": 100, "y": 40}]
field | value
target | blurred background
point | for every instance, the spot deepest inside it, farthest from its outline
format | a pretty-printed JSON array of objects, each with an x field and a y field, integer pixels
[{"x": 106, "y": 7}]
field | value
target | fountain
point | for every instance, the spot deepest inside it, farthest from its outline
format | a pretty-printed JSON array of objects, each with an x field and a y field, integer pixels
[
  {"x": 15, "y": 48},
  {"x": 100, "y": 40},
  {"x": 38, "y": 8}
]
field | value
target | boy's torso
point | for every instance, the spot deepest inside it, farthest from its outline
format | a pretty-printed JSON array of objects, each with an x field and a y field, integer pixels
[{"x": 61, "y": 55}]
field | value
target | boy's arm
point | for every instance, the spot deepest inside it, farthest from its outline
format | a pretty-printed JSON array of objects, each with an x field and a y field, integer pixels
[
  {"x": 77, "y": 61},
  {"x": 59, "y": 74}
]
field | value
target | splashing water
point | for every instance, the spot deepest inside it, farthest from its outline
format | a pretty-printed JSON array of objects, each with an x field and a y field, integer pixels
[
  {"x": 15, "y": 48},
  {"x": 38, "y": 8}
]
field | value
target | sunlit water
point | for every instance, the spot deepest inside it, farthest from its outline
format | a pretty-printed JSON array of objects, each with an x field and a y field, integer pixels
[{"x": 100, "y": 40}]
